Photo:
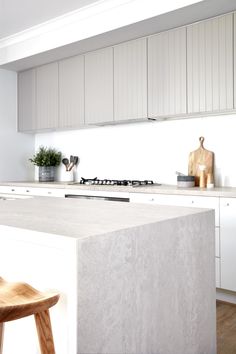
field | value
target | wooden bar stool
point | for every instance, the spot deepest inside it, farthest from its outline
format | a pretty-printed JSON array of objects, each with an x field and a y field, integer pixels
[{"x": 19, "y": 300}]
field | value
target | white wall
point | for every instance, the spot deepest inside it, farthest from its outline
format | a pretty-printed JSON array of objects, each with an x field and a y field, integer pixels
[
  {"x": 15, "y": 148},
  {"x": 148, "y": 150}
]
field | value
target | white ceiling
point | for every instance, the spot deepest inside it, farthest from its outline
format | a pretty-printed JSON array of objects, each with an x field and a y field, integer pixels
[
  {"x": 17, "y": 15},
  {"x": 182, "y": 16}
]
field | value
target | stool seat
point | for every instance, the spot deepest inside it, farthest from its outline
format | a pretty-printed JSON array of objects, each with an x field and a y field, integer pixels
[{"x": 19, "y": 300}]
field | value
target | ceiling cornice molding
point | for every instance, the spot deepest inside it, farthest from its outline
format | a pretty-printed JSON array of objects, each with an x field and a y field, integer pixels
[
  {"x": 61, "y": 21},
  {"x": 86, "y": 22}
]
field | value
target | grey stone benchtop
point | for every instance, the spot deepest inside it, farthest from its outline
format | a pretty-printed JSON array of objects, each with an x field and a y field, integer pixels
[
  {"x": 140, "y": 276},
  {"x": 162, "y": 189},
  {"x": 83, "y": 218}
]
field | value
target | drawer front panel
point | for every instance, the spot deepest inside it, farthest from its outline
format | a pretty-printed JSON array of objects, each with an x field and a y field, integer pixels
[{"x": 179, "y": 200}]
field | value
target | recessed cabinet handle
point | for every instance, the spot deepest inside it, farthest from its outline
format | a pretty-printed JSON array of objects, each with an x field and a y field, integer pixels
[
  {"x": 27, "y": 190},
  {"x": 192, "y": 201},
  {"x": 49, "y": 192},
  {"x": 13, "y": 190},
  {"x": 227, "y": 204}
]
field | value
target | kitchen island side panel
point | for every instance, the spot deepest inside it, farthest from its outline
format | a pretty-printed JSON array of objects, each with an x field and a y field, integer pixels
[
  {"x": 46, "y": 262},
  {"x": 149, "y": 289}
]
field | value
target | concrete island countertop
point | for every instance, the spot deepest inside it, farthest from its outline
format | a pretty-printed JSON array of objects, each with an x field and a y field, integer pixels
[
  {"x": 132, "y": 277},
  {"x": 83, "y": 218},
  {"x": 229, "y": 192}
]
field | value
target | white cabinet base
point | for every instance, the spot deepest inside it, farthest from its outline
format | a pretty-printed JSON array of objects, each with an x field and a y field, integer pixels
[
  {"x": 49, "y": 263},
  {"x": 228, "y": 243},
  {"x": 226, "y": 296},
  {"x": 33, "y": 191}
]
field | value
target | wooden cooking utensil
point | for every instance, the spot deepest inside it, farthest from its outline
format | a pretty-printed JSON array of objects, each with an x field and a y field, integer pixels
[
  {"x": 201, "y": 156},
  {"x": 65, "y": 162}
]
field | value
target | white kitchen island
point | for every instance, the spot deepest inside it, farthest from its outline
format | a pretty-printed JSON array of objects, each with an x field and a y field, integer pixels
[{"x": 133, "y": 278}]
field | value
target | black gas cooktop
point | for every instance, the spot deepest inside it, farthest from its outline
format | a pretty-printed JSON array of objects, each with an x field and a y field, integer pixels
[{"x": 116, "y": 182}]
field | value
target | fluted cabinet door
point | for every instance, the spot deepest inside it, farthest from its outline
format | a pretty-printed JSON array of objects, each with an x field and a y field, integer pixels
[
  {"x": 167, "y": 73},
  {"x": 210, "y": 65},
  {"x": 130, "y": 80},
  {"x": 26, "y": 101},
  {"x": 99, "y": 86},
  {"x": 47, "y": 96},
  {"x": 71, "y": 92}
]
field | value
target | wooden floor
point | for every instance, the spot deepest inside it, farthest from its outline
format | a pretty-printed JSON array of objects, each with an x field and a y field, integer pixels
[{"x": 226, "y": 328}]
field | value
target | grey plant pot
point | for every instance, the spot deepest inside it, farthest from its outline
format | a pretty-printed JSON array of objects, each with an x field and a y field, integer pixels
[{"x": 46, "y": 173}]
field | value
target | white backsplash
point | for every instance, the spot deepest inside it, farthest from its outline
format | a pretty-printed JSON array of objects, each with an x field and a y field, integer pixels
[{"x": 151, "y": 150}]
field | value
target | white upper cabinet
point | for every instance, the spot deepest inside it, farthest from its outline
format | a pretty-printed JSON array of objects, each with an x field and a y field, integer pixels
[
  {"x": 181, "y": 72},
  {"x": 130, "y": 80},
  {"x": 71, "y": 92},
  {"x": 210, "y": 65},
  {"x": 26, "y": 101},
  {"x": 99, "y": 86},
  {"x": 47, "y": 96},
  {"x": 167, "y": 73}
]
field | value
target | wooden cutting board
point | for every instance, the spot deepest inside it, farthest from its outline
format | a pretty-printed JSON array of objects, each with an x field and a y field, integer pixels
[{"x": 201, "y": 156}]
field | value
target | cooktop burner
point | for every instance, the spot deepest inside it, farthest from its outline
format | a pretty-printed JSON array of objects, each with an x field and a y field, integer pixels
[{"x": 115, "y": 182}]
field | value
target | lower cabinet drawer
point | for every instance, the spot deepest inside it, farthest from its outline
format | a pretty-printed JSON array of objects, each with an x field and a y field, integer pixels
[
  {"x": 47, "y": 192},
  {"x": 217, "y": 267},
  {"x": 179, "y": 200},
  {"x": 12, "y": 190},
  {"x": 228, "y": 243},
  {"x": 217, "y": 242},
  {"x": 44, "y": 192}
]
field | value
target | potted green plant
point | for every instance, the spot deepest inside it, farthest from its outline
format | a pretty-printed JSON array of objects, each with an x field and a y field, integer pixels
[{"x": 46, "y": 159}]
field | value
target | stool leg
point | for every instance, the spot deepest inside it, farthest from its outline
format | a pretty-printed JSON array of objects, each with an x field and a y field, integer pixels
[
  {"x": 1, "y": 336},
  {"x": 44, "y": 329}
]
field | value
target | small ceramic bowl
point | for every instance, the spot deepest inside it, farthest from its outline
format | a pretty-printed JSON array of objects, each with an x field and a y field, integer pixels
[{"x": 185, "y": 181}]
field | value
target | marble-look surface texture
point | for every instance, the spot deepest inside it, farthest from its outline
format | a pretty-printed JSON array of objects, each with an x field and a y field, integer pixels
[
  {"x": 149, "y": 290},
  {"x": 83, "y": 218},
  {"x": 229, "y": 192},
  {"x": 145, "y": 273}
]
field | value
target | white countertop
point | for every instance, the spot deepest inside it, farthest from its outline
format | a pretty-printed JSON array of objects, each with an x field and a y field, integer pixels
[
  {"x": 83, "y": 218},
  {"x": 163, "y": 189},
  {"x": 171, "y": 189}
]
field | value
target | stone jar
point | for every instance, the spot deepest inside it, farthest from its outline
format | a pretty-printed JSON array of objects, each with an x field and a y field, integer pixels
[{"x": 46, "y": 173}]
